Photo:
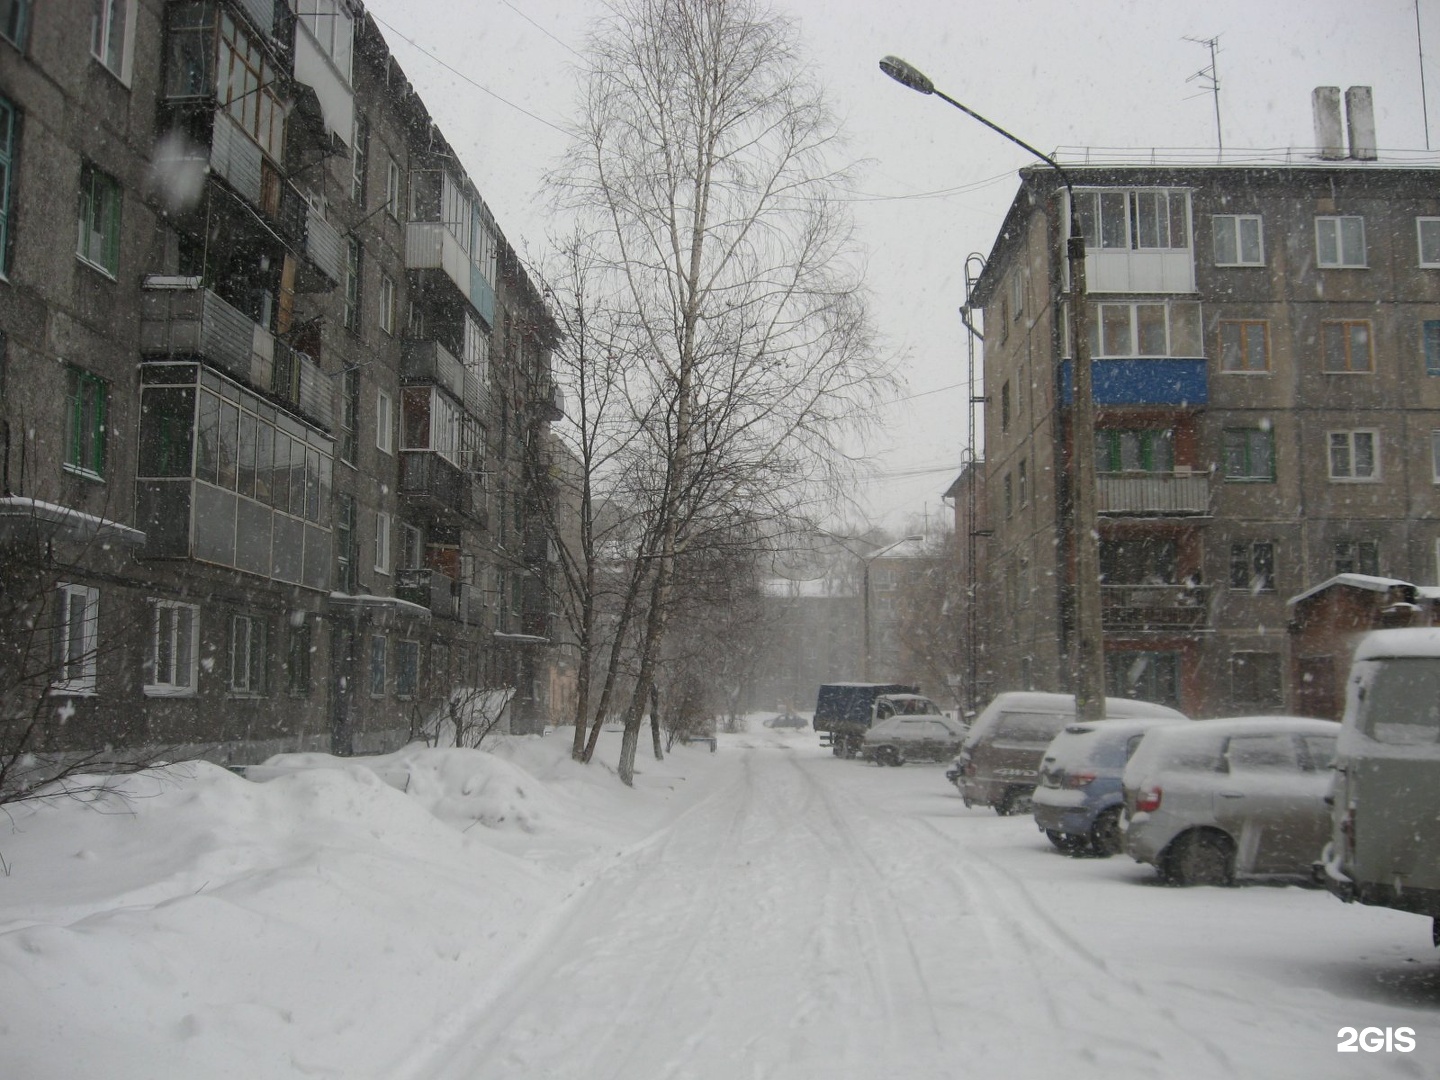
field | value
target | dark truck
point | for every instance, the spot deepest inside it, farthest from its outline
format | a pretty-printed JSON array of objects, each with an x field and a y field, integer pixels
[{"x": 845, "y": 711}]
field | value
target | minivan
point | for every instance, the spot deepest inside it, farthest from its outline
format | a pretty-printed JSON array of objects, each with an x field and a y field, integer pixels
[
  {"x": 999, "y": 762},
  {"x": 1385, "y": 828}
]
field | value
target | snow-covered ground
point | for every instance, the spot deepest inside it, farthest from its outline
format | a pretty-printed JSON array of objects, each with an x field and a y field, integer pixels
[{"x": 765, "y": 911}]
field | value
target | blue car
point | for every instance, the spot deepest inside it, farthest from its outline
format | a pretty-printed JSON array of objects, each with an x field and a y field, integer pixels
[{"x": 1078, "y": 801}]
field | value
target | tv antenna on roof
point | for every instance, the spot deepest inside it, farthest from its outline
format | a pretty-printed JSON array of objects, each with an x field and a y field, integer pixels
[{"x": 1210, "y": 81}]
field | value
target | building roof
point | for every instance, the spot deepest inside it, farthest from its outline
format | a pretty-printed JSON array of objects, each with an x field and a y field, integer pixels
[{"x": 1370, "y": 583}]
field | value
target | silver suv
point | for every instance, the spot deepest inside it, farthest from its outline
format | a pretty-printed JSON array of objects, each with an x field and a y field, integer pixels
[{"x": 1245, "y": 795}]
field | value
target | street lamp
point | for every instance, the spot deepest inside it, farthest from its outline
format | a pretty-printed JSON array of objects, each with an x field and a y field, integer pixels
[{"x": 1089, "y": 655}]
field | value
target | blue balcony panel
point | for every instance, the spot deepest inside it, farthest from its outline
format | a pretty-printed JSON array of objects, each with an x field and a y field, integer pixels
[{"x": 1143, "y": 382}]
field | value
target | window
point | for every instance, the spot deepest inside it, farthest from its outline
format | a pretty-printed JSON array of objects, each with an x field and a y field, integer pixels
[
  {"x": 247, "y": 89},
  {"x": 1145, "y": 329},
  {"x": 14, "y": 21},
  {"x": 1255, "y": 680},
  {"x": 1260, "y": 753},
  {"x": 1149, "y": 450},
  {"x": 351, "y": 315},
  {"x": 1430, "y": 345},
  {"x": 8, "y": 121},
  {"x": 1354, "y": 455},
  {"x": 111, "y": 34},
  {"x": 77, "y": 618},
  {"x": 407, "y": 668},
  {"x": 333, "y": 29},
  {"x": 477, "y": 350},
  {"x": 359, "y": 159},
  {"x": 382, "y": 543},
  {"x": 1237, "y": 240},
  {"x": 1357, "y": 557},
  {"x": 345, "y": 543},
  {"x": 1252, "y": 566},
  {"x": 1249, "y": 454},
  {"x": 1340, "y": 241},
  {"x": 1148, "y": 676},
  {"x": 1244, "y": 345},
  {"x": 412, "y": 547},
  {"x": 392, "y": 189},
  {"x": 247, "y": 654},
  {"x": 85, "y": 424},
  {"x": 1428, "y": 235},
  {"x": 1017, "y": 294},
  {"x": 1346, "y": 345},
  {"x": 349, "y": 415},
  {"x": 377, "y": 665},
  {"x": 384, "y": 422},
  {"x": 1135, "y": 220},
  {"x": 297, "y": 658},
  {"x": 172, "y": 664},
  {"x": 99, "y": 239},
  {"x": 387, "y": 304},
  {"x": 1005, "y": 407},
  {"x": 1009, "y": 488},
  {"x": 1435, "y": 456},
  {"x": 1022, "y": 480}
]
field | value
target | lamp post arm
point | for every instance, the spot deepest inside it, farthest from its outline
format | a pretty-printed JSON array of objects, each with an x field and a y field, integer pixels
[{"x": 1046, "y": 158}]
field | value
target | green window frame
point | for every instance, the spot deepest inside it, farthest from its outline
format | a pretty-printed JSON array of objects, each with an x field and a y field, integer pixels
[
  {"x": 1249, "y": 454},
  {"x": 1150, "y": 450},
  {"x": 86, "y": 414},
  {"x": 9, "y": 123},
  {"x": 98, "y": 242},
  {"x": 14, "y": 21}
]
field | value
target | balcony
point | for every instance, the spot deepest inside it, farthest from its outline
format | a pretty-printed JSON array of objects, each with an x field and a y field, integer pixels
[
  {"x": 181, "y": 320},
  {"x": 430, "y": 245},
  {"x": 470, "y": 605},
  {"x": 429, "y": 588},
  {"x": 433, "y": 484},
  {"x": 314, "y": 239},
  {"x": 1170, "y": 381},
  {"x": 1177, "y": 494},
  {"x": 1154, "y": 608},
  {"x": 552, "y": 405}
]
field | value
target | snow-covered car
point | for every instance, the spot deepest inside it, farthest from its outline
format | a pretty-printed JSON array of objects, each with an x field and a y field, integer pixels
[
  {"x": 999, "y": 763},
  {"x": 1385, "y": 847},
  {"x": 787, "y": 720},
  {"x": 1246, "y": 795},
  {"x": 1078, "y": 801},
  {"x": 930, "y": 736}
]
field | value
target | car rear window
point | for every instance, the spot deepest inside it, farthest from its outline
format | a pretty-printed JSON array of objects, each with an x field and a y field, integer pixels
[
  {"x": 1400, "y": 704},
  {"x": 1030, "y": 727}
]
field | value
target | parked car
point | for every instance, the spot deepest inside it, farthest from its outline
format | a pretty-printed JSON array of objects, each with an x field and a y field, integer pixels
[
  {"x": 787, "y": 719},
  {"x": 1078, "y": 801},
  {"x": 911, "y": 735},
  {"x": 1385, "y": 834},
  {"x": 999, "y": 762},
  {"x": 1242, "y": 795}
]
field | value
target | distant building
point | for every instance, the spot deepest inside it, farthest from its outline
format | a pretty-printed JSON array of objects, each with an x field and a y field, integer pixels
[
  {"x": 266, "y": 349},
  {"x": 1266, "y": 344}
]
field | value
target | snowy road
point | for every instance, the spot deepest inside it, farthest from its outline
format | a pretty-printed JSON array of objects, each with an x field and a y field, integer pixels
[{"x": 810, "y": 917}]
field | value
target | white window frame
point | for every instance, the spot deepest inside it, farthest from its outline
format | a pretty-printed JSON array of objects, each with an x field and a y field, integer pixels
[
  {"x": 103, "y": 32},
  {"x": 173, "y": 664},
  {"x": 392, "y": 188},
  {"x": 1349, "y": 476},
  {"x": 246, "y": 677},
  {"x": 387, "y": 304},
  {"x": 1175, "y": 313},
  {"x": 1231, "y": 227},
  {"x": 384, "y": 422},
  {"x": 382, "y": 543},
  {"x": 412, "y": 546},
  {"x": 1420, "y": 245},
  {"x": 1435, "y": 457},
  {"x": 1330, "y": 232},
  {"x": 75, "y": 647}
]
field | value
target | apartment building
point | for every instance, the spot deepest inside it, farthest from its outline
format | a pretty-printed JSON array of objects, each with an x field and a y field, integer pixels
[
  {"x": 272, "y": 377},
  {"x": 1266, "y": 363}
]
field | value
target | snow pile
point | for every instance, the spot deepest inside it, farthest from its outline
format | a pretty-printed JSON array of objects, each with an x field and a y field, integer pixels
[{"x": 191, "y": 923}]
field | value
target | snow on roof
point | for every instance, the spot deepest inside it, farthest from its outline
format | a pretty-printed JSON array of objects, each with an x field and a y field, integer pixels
[
  {"x": 1356, "y": 581},
  {"x": 86, "y": 526}
]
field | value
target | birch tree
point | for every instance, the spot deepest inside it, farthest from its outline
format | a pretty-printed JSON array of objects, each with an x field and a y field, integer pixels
[{"x": 700, "y": 165}]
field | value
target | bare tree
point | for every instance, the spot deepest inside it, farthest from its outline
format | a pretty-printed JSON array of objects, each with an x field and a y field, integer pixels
[{"x": 699, "y": 169}]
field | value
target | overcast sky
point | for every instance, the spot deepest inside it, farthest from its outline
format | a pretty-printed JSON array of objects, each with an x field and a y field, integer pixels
[{"x": 935, "y": 184}]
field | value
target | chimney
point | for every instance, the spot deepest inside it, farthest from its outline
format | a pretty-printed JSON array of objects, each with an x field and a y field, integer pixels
[
  {"x": 1328, "y": 137},
  {"x": 1360, "y": 120}
]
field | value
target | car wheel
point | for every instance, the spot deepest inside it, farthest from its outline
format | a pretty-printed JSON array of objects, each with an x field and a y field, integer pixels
[
  {"x": 1199, "y": 858},
  {"x": 1014, "y": 801},
  {"x": 1066, "y": 842},
  {"x": 1105, "y": 839}
]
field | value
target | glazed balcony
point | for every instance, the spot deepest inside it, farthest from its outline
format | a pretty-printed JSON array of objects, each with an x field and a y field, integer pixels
[
  {"x": 434, "y": 485},
  {"x": 179, "y": 319},
  {"x": 430, "y": 246},
  {"x": 430, "y": 589}
]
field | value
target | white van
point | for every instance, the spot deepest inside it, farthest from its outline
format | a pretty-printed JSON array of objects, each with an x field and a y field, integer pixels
[{"x": 1385, "y": 845}]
